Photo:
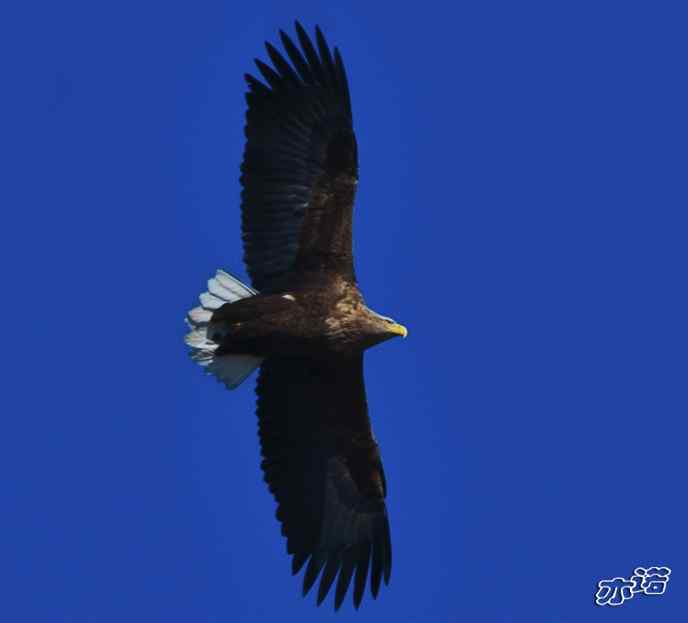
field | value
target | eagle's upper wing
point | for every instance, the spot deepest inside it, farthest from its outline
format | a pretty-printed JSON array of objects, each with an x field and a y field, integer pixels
[
  {"x": 300, "y": 165},
  {"x": 323, "y": 466}
]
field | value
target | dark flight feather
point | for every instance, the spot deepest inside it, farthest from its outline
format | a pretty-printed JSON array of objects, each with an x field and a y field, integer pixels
[
  {"x": 329, "y": 574},
  {"x": 311, "y": 56},
  {"x": 272, "y": 77},
  {"x": 297, "y": 59},
  {"x": 284, "y": 69},
  {"x": 326, "y": 57},
  {"x": 347, "y": 570}
]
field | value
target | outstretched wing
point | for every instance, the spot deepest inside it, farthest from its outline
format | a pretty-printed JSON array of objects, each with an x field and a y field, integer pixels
[
  {"x": 323, "y": 466},
  {"x": 300, "y": 165}
]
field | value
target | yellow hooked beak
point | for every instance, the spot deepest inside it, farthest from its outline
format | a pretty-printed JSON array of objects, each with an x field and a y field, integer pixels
[{"x": 399, "y": 329}]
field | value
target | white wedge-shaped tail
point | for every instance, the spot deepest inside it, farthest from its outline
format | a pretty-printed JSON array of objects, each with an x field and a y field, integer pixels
[{"x": 231, "y": 370}]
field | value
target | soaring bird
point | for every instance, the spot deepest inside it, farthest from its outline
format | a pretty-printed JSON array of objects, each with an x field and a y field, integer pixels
[{"x": 304, "y": 322}]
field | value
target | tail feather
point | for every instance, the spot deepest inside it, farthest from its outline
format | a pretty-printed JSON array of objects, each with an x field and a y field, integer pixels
[{"x": 231, "y": 370}]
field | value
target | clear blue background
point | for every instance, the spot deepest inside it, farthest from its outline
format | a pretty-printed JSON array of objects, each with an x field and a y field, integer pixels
[{"x": 522, "y": 209}]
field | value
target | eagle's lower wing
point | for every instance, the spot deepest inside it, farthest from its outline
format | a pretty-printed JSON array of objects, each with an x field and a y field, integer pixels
[
  {"x": 323, "y": 466},
  {"x": 300, "y": 166}
]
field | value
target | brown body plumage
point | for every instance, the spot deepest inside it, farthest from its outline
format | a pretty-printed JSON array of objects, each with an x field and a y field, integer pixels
[
  {"x": 329, "y": 317},
  {"x": 306, "y": 325}
]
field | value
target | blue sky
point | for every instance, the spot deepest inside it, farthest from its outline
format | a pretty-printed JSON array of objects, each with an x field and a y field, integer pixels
[{"x": 522, "y": 209}]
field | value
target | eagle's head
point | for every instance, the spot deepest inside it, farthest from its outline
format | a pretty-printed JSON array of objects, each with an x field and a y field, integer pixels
[{"x": 382, "y": 328}]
